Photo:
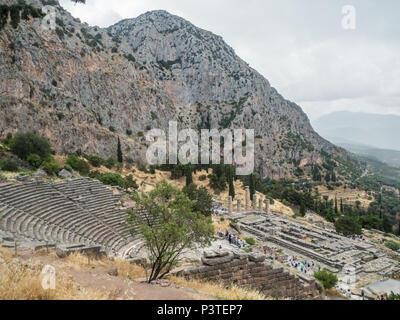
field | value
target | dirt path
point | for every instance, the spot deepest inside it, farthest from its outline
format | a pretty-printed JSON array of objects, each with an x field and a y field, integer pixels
[{"x": 96, "y": 276}]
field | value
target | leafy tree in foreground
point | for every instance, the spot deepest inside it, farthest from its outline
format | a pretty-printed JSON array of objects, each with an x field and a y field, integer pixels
[{"x": 168, "y": 226}]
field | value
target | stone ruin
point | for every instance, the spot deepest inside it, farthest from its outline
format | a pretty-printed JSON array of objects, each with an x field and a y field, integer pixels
[
  {"x": 78, "y": 213},
  {"x": 251, "y": 271},
  {"x": 325, "y": 247}
]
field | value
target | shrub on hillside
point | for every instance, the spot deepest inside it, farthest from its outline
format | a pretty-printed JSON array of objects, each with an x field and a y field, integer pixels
[
  {"x": 112, "y": 179},
  {"x": 202, "y": 200},
  {"x": 68, "y": 168},
  {"x": 51, "y": 167},
  {"x": 251, "y": 241},
  {"x": 8, "y": 141},
  {"x": 79, "y": 165},
  {"x": 96, "y": 161},
  {"x": 30, "y": 143},
  {"x": 130, "y": 183},
  {"x": 348, "y": 225},
  {"x": 327, "y": 279},
  {"x": 34, "y": 160},
  {"x": 9, "y": 165},
  {"x": 392, "y": 245},
  {"x": 110, "y": 163}
]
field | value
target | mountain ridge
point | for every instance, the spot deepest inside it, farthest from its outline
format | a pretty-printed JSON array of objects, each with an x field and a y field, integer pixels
[{"x": 83, "y": 87}]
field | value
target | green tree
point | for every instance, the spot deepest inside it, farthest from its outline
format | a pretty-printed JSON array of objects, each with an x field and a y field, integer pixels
[
  {"x": 302, "y": 209},
  {"x": 231, "y": 188},
  {"x": 202, "y": 200},
  {"x": 327, "y": 279},
  {"x": 119, "y": 152},
  {"x": 95, "y": 161},
  {"x": 110, "y": 163},
  {"x": 333, "y": 175},
  {"x": 9, "y": 165},
  {"x": 328, "y": 177},
  {"x": 169, "y": 226},
  {"x": 130, "y": 183},
  {"x": 348, "y": 225},
  {"x": 316, "y": 174},
  {"x": 188, "y": 174},
  {"x": 78, "y": 164},
  {"x": 51, "y": 167},
  {"x": 112, "y": 179},
  {"x": 252, "y": 187},
  {"x": 30, "y": 143},
  {"x": 34, "y": 160}
]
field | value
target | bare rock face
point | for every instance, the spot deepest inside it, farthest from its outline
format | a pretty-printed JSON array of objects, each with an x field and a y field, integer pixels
[{"x": 83, "y": 87}]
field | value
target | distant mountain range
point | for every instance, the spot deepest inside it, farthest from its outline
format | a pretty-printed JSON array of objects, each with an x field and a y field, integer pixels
[
  {"x": 371, "y": 135},
  {"x": 375, "y": 130}
]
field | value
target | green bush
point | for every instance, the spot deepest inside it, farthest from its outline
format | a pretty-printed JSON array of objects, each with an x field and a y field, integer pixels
[
  {"x": 392, "y": 245},
  {"x": 251, "y": 241},
  {"x": 96, "y": 161},
  {"x": 327, "y": 279},
  {"x": 78, "y": 164},
  {"x": 112, "y": 179},
  {"x": 110, "y": 163},
  {"x": 30, "y": 143},
  {"x": 348, "y": 225},
  {"x": 68, "y": 168},
  {"x": 203, "y": 177},
  {"x": 9, "y": 165},
  {"x": 202, "y": 200},
  {"x": 130, "y": 183},
  {"x": 51, "y": 167},
  {"x": 34, "y": 160}
]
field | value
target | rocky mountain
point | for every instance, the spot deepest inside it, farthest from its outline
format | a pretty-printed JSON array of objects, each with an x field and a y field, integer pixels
[{"x": 83, "y": 87}]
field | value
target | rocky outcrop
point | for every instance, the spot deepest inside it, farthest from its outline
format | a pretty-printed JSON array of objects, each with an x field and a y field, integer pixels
[{"x": 83, "y": 87}]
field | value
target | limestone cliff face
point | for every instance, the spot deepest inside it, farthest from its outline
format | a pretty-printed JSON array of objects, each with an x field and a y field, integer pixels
[{"x": 84, "y": 86}]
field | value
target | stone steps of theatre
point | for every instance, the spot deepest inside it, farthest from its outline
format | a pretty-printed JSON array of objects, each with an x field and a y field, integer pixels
[
  {"x": 50, "y": 209},
  {"x": 58, "y": 214},
  {"x": 37, "y": 204}
]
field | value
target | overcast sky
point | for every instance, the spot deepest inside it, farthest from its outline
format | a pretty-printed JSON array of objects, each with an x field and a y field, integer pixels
[{"x": 300, "y": 46}]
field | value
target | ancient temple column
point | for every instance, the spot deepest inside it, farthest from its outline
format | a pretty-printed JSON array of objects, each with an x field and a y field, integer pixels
[
  {"x": 260, "y": 204},
  {"x": 267, "y": 205},
  {"x": 247, "y": 199},
  {"x": 255, "y": 202},
  {"x": 239, "y": 206},
  {"x": 230, "y": 209}
]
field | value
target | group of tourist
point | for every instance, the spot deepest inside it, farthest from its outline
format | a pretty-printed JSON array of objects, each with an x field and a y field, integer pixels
[
  {"x": 356, "y": 237},
  {"x": 233, "y": 240},
  {"x": 307, "y": 267}
]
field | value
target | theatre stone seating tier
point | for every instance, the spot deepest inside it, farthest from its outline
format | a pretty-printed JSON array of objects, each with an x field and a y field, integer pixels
[{"x": 75, "y": 212}]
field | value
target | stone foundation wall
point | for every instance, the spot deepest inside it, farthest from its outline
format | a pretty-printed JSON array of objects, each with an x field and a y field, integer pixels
[{"x": 252, "y": 272}]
